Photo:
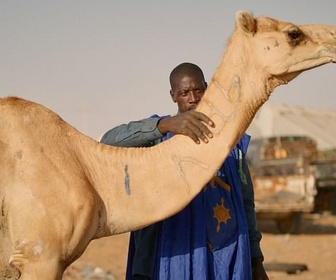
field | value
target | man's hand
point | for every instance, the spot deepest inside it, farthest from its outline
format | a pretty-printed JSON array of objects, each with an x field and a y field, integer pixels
[{"x": 192, "y": 123}]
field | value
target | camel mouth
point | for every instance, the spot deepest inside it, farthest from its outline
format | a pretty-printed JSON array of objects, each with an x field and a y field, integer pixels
[{"x": 331, "y": 50}]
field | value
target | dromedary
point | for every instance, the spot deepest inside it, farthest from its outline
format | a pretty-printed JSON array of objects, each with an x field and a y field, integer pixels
[{"x": 60, "y": 189}]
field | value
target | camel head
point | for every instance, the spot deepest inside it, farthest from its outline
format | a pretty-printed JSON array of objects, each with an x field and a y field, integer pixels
[{"x": 281, "y": 49}]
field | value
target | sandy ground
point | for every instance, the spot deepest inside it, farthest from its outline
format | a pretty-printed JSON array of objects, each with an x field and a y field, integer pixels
[{"x": 314, "y": 247}]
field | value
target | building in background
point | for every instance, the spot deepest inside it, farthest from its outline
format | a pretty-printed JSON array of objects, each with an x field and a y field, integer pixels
[{"x": 278, "y": 119}]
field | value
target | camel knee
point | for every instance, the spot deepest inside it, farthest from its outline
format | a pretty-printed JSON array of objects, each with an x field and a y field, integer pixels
[{"x": 25, "y": 269}]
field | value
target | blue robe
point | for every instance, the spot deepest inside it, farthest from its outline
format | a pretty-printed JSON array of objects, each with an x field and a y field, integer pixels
[{"x": 208, "y": 239}]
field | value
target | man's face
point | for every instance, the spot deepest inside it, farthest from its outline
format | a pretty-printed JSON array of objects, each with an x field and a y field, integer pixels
[{"x": 187, "y": 91}]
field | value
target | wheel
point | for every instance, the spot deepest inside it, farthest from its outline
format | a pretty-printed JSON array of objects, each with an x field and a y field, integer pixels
[{"x": 290, "y": 224}]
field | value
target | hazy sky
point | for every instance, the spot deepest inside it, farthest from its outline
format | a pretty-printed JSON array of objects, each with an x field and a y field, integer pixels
[{"x": 105, "y": 62}]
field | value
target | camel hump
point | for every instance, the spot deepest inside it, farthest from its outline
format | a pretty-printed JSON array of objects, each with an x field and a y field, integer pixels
[
  {"x": 20, "y": 113},
  {"x": 12, "y": 100}
]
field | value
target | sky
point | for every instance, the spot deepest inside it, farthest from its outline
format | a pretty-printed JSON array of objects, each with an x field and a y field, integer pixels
[{"x": 102, "y": 63}]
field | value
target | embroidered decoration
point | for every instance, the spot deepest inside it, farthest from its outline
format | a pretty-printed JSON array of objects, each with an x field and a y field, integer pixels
[{"x": 221, "y": 214}]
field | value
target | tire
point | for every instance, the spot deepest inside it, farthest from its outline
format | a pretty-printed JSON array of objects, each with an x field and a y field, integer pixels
[{"x": 291, "y": 224}]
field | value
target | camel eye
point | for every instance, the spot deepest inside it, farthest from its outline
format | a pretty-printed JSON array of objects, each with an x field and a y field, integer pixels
[{"x": 294, "y": 34}]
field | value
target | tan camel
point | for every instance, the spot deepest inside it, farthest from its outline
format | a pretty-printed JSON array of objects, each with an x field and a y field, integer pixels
[{"x": 60, "y": 189}]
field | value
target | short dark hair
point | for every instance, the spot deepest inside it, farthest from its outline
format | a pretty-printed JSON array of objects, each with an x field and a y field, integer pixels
[{"x": 185, "y": 68}]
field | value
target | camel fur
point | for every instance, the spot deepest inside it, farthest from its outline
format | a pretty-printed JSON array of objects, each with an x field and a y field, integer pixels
[{"x": 60, "y": 189}]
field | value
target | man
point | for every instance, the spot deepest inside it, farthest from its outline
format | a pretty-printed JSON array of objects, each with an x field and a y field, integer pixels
[{"x": 215, "y": 236}]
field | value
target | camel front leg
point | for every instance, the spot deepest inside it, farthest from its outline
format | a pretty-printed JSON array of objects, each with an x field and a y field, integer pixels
[{"x": 33, "y": 269}]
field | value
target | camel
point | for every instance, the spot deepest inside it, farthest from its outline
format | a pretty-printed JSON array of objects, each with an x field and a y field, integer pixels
[{"x": 60, "y": 189}]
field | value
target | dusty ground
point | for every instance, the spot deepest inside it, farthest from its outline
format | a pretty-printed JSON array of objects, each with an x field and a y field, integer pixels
[{"x": 315, "y": 247}]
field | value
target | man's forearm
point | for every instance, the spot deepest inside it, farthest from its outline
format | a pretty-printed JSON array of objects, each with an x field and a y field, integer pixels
[{"x": 141, "y": 133}]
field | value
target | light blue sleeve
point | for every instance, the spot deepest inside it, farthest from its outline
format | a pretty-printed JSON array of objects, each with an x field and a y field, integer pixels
[{"x": 142, "y": 133}]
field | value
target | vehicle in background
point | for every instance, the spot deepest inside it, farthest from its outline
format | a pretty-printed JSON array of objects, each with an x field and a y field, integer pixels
[
  {"x": 284, "y": 179},
  {"x": 324, "y": 170}
]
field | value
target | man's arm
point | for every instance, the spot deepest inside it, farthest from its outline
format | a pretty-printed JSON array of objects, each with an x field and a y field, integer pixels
[
  {"x": 142, "y": 133},
  {"x": 248, "y": 197},
  {"x": 254, "y": 233},
  {"x": 145, "y": 132}
]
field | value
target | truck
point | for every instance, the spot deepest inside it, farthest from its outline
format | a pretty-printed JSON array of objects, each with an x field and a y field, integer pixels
[
  {"x": 284, "y": 179},
  {"x": 324, "y": 170}
]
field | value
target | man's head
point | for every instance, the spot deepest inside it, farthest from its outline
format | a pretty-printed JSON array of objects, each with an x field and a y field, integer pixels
[{"x": 187, "y": 86}]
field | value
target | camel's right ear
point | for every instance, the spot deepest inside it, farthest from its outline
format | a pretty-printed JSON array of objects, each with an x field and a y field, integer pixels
[{"x": 245, "y": 22}]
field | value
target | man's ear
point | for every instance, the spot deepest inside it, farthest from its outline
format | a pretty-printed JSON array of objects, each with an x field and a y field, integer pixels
[
  {"x": 205, "y": 85},
  {"x": 172, "y": 96}
]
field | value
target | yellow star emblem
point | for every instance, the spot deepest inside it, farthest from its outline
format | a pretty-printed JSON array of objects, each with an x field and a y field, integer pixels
[{"x": 221, "y": 214}]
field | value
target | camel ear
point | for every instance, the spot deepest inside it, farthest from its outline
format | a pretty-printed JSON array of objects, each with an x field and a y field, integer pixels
[{"x": 245, "y": 21}]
